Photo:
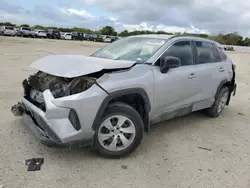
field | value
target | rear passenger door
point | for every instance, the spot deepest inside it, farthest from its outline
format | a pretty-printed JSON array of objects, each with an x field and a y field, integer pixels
[{"x": 211, "y": 70}]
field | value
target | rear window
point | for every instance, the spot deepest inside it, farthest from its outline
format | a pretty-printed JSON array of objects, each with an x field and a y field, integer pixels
[{"x": 9, "y": 28}]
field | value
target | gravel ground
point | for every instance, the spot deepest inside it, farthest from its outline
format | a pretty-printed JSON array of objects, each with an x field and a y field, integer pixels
[{"x": 168, "y": 157}]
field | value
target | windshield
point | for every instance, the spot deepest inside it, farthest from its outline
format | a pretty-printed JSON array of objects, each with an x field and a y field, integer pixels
[
  {"x": 26, "y": 29},
  {"x": 131, "y": 49}
]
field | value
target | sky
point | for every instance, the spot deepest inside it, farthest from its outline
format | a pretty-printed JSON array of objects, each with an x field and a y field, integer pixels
[{"x": 200, "y": 16}]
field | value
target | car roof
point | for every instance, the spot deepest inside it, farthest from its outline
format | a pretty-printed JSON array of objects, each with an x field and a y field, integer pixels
[
  {"x": 167, "y": 37},
  {"x": 160, "y": 36}
]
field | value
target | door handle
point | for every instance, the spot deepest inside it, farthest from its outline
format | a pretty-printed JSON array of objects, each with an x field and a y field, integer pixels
[
  {"x": 221, "y": 69},
  {"x": 191, "y": 76}
]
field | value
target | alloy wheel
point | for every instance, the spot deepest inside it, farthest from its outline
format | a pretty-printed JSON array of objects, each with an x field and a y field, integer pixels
[{"x": 116, "y": 133}]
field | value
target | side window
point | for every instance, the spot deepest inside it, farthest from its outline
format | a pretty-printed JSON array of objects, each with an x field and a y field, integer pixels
[
  {"x": 223, "y": 56},
  {"x": 217, "y": 54},
  {"x": 183, "y": 51},
  {"x": 205, "y": 52}
]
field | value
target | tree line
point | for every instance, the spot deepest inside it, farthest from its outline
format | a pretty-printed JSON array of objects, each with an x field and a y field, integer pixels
[{"x": 226, "y": 39}]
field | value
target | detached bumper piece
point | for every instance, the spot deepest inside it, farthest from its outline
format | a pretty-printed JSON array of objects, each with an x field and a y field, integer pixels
[{"x": 34, "y": 164}]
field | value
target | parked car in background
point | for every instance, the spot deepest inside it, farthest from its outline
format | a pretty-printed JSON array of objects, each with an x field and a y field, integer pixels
[
  {"x": 40, "y": 34},
  {"x": 113, "y": 38},
  {"x": 7, "y": 30},
  {"x": 61, "y": 34},
  {"x": 107, "y": 39},
  {"x": 87, "y": 36},
  {"x": 108, "y": 100},
  {"x": 96, "y": 38},
  {"x": 25, "y": 32},
  {"x": 78, "y": 36},
  {"x": 53, "y": 34},
  {"x": 16, "y": 30},
  {"x": 66, "y": 36}
]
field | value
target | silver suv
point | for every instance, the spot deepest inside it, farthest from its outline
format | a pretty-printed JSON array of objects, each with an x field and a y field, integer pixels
[{"x": 108, "y": 100}]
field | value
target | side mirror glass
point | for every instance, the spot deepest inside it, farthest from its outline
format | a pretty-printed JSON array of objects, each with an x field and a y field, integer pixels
[{"x": 169, "y": 62}]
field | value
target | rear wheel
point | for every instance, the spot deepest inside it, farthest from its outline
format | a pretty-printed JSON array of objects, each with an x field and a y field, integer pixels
[
  {"x": 119, "y": 132},
  {"x": 219, "y": 104}
]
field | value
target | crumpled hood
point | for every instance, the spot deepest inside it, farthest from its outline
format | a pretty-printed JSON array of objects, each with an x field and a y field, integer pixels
[{"x": 70, "y": 66}]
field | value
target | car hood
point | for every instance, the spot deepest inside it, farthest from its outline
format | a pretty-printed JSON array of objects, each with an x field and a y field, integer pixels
[{"x": 70, "y": 66}]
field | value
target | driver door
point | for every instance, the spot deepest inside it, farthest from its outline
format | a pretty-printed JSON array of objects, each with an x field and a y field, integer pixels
[{"x": 179, "y": 88}]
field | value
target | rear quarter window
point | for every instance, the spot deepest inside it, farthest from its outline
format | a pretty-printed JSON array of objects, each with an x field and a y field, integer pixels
[{"x": 205, "y": 52}]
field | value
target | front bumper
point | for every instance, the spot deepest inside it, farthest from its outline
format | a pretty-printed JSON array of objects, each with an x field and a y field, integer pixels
[
  {"x": 42, "y": 135},
  {"x": 53, "y": 126}
]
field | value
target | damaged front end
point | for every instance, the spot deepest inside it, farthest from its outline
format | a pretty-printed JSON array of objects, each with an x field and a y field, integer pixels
[
  {"x": 56, "y": 109},
  {"x": 36, "y": 84}
]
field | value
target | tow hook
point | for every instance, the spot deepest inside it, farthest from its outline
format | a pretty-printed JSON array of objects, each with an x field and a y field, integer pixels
[{"x": 18, "y": 109}]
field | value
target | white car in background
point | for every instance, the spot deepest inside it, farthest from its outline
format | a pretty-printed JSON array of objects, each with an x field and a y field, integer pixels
[
  {"x": 40, "y": 34},
  {"x": 7, "y": 30},
  {"x": 67, "y": 36}
]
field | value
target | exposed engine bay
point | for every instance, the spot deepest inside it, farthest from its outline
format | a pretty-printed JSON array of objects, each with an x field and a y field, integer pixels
[{"x": 59, "y": 87}]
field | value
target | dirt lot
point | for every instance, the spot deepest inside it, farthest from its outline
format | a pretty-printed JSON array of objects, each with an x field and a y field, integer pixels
[{"x": 168, "y": 157}]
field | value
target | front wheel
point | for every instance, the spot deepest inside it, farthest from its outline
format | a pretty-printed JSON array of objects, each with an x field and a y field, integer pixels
[
  {"x": 119, "y": 132},
  {"x": 219, "y": 104}
]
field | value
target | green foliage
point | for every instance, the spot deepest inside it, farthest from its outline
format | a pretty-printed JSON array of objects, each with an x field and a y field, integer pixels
[
  {"x": 227, "y": 39},
  {"x": 108, "y": 30},
  {"x": 7, "y": 24},
  {"x": 39, "y": 27},
  {"x": 24, "y": 25}
]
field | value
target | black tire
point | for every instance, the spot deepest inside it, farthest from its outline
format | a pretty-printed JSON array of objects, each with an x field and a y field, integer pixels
[
  {"x": 129, "y": 112},
  {"x": 213, "y": 110}
]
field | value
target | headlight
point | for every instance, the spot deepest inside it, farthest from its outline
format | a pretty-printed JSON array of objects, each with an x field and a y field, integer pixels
[
  {"x": 36, "y": 96},
  {"x": 59, "y": 90},
  {"x": 79, "y": 85}
]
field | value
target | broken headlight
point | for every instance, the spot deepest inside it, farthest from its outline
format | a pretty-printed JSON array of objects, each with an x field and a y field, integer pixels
[
  {"x": 36, "y": 95},
  {"x": 59, "y": 89},
  {"x": 77, "y": 85}
]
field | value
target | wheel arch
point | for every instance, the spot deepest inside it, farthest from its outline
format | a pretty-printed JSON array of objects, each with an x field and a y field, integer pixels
[
  {"x": 227, "y": 84},
  {"x": 125, "y": 96}
]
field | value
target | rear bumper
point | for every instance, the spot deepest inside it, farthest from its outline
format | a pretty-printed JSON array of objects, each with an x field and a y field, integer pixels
[{"x": 9, "y": 33}]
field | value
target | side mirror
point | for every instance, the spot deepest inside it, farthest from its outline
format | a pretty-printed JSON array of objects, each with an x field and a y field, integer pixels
[{"x": 169, "y": 62}]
